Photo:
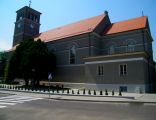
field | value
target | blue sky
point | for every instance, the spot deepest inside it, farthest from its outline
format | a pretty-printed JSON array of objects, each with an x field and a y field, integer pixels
[{"x": 56, "y": 13}]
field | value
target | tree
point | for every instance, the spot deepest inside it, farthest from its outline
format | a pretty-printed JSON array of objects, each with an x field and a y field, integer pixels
[
  {"x": 3, "y": 62},
  {"x": 31, "y": 60}
]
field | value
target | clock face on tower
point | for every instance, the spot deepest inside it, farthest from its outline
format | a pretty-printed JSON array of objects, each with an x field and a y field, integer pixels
[{"x": 19, "y": 25}]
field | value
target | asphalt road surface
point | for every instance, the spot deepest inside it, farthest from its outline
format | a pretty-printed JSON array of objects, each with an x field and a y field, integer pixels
[{"x": 28, "y": 108}]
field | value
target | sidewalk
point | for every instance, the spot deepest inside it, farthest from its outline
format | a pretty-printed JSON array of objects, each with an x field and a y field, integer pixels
[{"x": 125, "y": 98}]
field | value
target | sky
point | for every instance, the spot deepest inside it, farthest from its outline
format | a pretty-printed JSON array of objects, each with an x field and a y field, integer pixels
[{"x": 56, "y": 13}]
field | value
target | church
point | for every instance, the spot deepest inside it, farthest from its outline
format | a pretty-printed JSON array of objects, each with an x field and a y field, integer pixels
[{"x": 95, "y": 53}]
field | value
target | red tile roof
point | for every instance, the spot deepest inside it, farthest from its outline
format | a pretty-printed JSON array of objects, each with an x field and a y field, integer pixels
[
  {"x": 81, "y": 27},
  {"x": 128, "y": 25},
  {"x": 13, "y": 48}
]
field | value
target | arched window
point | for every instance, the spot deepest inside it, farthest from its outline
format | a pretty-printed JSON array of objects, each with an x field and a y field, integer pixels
[
  {"x": 72, "y": 55},
  {"x": 130, "y": 48},
  {"x": 111, "y": 46},
  {"x": 130, "y": 45}
]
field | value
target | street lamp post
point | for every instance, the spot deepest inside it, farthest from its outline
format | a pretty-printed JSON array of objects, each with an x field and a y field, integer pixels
[{"x": 49, "y": 78}]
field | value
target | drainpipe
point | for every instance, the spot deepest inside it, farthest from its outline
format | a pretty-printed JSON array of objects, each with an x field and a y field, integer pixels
[
  {"x": 149, "y": 77},
  {"x": 143, "y": 40},
  {"x": 148, "y": 60},
  {"x": 89, "y": 46}
]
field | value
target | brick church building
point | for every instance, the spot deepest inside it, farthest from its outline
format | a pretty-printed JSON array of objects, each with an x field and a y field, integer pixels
[{"x": 95, "y": 53}]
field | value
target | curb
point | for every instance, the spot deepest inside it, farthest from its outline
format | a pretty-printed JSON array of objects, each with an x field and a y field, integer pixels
[
  {"x": 130, "y": 102},
  {"x": 128, "y": 97},
  {"x": 104, "y": 101}
]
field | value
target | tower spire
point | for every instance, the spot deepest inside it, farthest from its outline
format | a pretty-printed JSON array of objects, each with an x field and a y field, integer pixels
[{"x": 29, "y": 3}]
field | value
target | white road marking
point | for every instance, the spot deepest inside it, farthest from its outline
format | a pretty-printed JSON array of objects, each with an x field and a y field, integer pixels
[
  {"x": 2, "y": 106},
  {"x": 6, "y": 103},
  {"x": 149, "y": 104},
  {"x": 14, "y": 99}
]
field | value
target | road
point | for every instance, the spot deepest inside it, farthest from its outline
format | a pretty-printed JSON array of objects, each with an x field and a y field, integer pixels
[{"x": 45, "y": 109}]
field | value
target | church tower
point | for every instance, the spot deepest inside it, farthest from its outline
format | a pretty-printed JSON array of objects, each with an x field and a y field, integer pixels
[{"x": 27, "y": 24}]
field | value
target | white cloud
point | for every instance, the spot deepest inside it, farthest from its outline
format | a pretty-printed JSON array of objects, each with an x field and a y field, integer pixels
[{"x": 4, "y": 45}]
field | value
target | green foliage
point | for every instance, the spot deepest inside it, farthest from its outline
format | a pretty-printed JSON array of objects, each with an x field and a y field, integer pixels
[
  {"x": 3, "y": 56},
  {"x": 3, "y": 63},
  {"x": 31, "y": 59}
]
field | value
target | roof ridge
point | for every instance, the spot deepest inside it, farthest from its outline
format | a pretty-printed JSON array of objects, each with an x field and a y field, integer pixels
[
  {"x": 130, "y": 19},
  {"x": 73, "y": 23},
  {"x": 60, "y": 37},
  {"x": 69, "y": 30},
  {"x": 126, "y": 25}
]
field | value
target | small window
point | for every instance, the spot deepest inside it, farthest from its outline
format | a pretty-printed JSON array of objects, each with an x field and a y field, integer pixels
[
  {"x": 100, "y": 70},
  {"x": 123, "y": 88},
  {"x": 123, "y": 70},
  {"x": 72, "y": 55},
  {"x": 35, "y": 19}
]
